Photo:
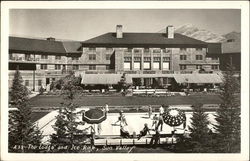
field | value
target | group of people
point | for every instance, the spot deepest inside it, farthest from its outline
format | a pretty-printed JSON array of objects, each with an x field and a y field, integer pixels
[{"x": 157, "y": 126}]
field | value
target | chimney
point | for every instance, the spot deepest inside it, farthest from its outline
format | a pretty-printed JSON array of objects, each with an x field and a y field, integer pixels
[
  {"x": 119, "y": 31},
  {"x": 51, "y": 39},
  {"x": 170, "y": 32}
]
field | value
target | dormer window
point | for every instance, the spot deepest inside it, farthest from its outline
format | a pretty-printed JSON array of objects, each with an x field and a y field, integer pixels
[
  {"x": 231, "y": 40},
  {"x": 92, "y": 49}
]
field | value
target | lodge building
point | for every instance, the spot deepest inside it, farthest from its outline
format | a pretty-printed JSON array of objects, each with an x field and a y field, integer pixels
[{"x": 143, "y": 57}]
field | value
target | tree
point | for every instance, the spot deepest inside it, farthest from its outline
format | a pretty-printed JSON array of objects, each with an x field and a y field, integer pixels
[
  {"x": 122, "y": 84},
  {"x": 22, "y": 131},
  {"x": 228, "y": 115},
  {"x": 66, "y": 122},
  {"x": 201, "y": 139}
]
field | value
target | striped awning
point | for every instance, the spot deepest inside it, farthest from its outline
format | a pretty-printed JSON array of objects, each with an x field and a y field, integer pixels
[
  {"x": 106, "y": 79},
  {"x": 198, "y": 78}
]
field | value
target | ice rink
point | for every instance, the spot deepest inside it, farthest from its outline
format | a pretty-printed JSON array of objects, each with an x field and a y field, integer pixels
[{"x": 135, "y": 123}]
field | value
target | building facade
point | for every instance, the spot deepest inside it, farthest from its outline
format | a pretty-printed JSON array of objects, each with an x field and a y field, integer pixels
[{"x": 144, "y": 57}]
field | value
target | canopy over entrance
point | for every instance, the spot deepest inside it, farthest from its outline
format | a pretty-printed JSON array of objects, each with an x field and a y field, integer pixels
[
  {"x": 198, "y": 78},
  {"x": 106, "y": 79}
]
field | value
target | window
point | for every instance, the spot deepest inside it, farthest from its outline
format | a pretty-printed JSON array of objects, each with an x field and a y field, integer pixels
[
  {"x": 107, "y": 67},
  {"x": 137, "y": 50},
  {"x": 53, "y": 79},
  {"x": 198, "y": 66},
  {"x": 215, "y": 67},
  {"x": 44, "y": 66},
  {"x": 39, "y": 82},
  {"x": 198, "y": 49},
  {"x": 127, "y": 65},
  {"x": 147, "y": 65},
  {"x": 231, "y": 40},
  {"x": 183, "y": 67},
  {"x": 157, "y": 58},
  {"x": 146, "y": 50},
  {"x": 198, "y": 57},
  {"x": 166, "y": 65},
  {"x": 166, "y": 50},
  {"x": 147, "y": 58},
  {"x": 75, "y": 67},
  {"x": 166, "y": 58},
  {"x": 109, "y": 49},
  {"x": 137, "y": 65},
  {"x": 92, "y": 57},
  {"x": 57, "y": 67},
  {"x": 108, "y": 57},
  {"x": 127, "y": 58},
  {"x": 92, "y": 49},
  {"x": 44, "y": 57},
  {"x": 75, "y": 58},
  {"x": 27, "y": 57},
  {"x": 26, "y": 82},
  {"x": 137, "y": 58},
  {"x": 156, "y": 65},
  {"x": 58, "y": 57},
  {"x": 128, "y": 50},
  {"x": 156, "y": 50},
  {"x": 183, "y": 49},
  {"x": 92, "y": 67},
  {"x": 183, "y": 57},
  {"x": 215, "y": 58}
]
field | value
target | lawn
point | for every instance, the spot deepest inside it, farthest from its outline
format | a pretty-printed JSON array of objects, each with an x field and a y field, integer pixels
[{"x": 54, "y": 101}]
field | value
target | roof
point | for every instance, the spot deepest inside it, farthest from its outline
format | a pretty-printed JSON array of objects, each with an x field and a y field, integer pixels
[
  {"x": 143, "y": 40},
  {"x": 231, "y": 47},
  {"x": 214, "y": 48},
  {"x": 43, "y": 46},
  {"x": 198, "y": 78},
  {"x": 72, "y": 46},
  {"x": 103, "y": 78}
]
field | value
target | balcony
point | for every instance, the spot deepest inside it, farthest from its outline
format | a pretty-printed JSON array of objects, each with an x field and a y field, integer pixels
[
  {"x": 206, "y": 61},
  {"x": 24, "y": 60}
]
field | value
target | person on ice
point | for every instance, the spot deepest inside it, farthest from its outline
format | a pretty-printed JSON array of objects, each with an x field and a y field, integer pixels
[
  {"x": 160, "y": 123},
  {"x": 124, "y": 132},
  {"x": 144, "y": 131},
  {"x": 149, "y": 111},
  {"x": 155, "y": 119}
]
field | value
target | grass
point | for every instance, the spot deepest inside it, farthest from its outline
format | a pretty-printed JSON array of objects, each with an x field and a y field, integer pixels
[{"x": 54, "y": 101}]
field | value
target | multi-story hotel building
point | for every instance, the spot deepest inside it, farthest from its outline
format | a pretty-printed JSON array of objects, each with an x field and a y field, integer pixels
[{"x": 170, "y": 57}]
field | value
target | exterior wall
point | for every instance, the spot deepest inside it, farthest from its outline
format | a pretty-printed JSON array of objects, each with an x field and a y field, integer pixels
[
  {"x": 115, "y": 62},
  {"x": 174, "y": 59}
]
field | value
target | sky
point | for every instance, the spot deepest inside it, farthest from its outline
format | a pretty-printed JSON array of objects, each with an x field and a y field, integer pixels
[{"x": 83, "y": 24}]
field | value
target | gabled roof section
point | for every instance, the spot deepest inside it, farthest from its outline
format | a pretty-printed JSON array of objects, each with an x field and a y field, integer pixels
[
  {"x": 143, "y": 40},
  {"x": 43, "y": 46},
  {"x": 214, "y": 48},
  {"x": 72, "y": 46},
  {"x": 35, "y": 45}
]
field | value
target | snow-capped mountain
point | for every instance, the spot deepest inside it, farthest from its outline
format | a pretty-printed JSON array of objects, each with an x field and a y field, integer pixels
[{"x": 200, "y": 34}]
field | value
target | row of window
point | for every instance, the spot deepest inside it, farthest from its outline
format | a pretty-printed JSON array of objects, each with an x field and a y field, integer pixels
[
  {"x": 93, "y": 57},
  {"x": 146, "y": 50},
  {"x": 214, "y": 67},
  {"x": 197, "y": 57},
  {"x": 74, "y": 67},
  {"x": 27, "y": 83},
  {"x": 146, "y": 58},
  {"x": 57, "y": 57},
  {"x": 147, "y": 66}
]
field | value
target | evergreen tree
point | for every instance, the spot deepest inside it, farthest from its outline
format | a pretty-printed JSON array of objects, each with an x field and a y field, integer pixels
[
  {"x": 22, "y": 131},
  {"x": 228, "y": 115},
  {"x": 201, "y": 139},
  {"x": 66, "y": 122}
]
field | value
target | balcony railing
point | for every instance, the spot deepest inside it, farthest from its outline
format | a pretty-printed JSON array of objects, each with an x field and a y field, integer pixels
[{"x": 22, "y": 59}]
